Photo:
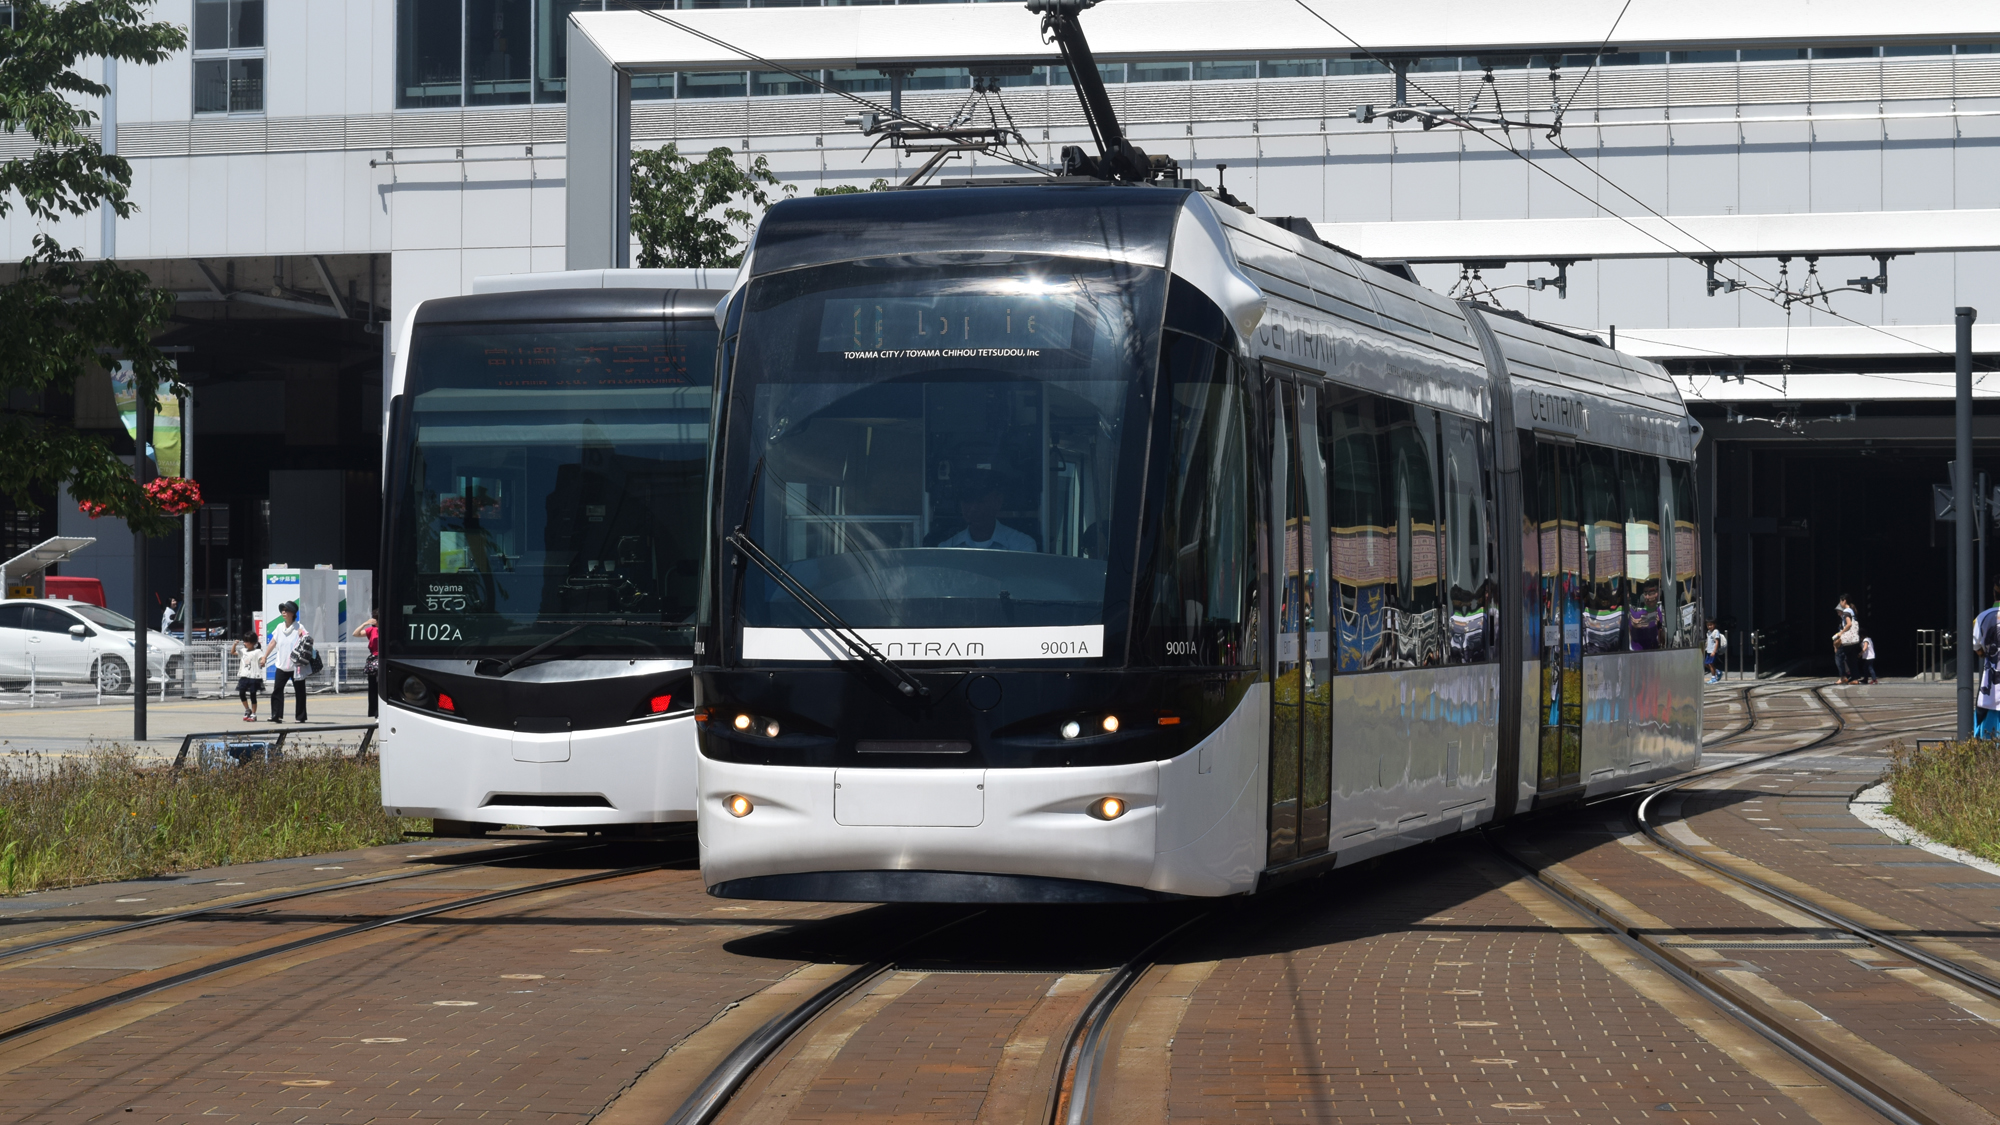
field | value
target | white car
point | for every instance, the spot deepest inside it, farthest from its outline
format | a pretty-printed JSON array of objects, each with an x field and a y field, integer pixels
[{"x": 54, "y": 641}]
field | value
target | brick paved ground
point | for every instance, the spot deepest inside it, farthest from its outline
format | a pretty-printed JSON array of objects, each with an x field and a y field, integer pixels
[
  {"x": 537, "y": 1009},
  {"x": 1434, "y": 987}
]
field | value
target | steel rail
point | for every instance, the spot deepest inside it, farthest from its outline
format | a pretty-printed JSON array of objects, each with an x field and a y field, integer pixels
[
  {"x": 1945, "y": 967},
  {"x": 282, "y": 896},
  {"x": 1852, "y": 1081},
  {"x": 75, "y": 1011},
  {"x": 1074, "y": 1095},
  {"x": 721, "y": 1084}
]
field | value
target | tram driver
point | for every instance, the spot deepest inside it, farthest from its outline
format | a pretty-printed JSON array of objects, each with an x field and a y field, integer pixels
[{"x": 980, "y": 505}]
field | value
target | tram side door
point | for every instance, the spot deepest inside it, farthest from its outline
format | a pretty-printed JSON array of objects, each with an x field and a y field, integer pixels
[
  {"x": 1301, "y": 694},
  {"x": 1561, "y": 592}
]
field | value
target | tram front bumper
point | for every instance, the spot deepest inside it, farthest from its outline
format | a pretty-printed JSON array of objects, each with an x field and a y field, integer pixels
[
  {"x": 643, "y": 774},
  {"x": 1041, "y": 823}
]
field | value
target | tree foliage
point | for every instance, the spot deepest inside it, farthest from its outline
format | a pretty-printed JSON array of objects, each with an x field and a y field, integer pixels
[
  {"x": 849, "y": 189},
  {"x": 60, "y": 315},
  {"x": 688, "y": 212}
]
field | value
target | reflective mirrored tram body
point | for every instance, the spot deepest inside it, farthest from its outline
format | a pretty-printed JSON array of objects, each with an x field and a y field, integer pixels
[
  {"x": 1220, "y": 557},
  {"x": 541, "y": 561}
]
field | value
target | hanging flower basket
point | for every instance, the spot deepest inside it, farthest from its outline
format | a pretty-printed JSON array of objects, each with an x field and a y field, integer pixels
[
  {"x": 93, "y": 509},
  {"x": 175, "y": 496}
]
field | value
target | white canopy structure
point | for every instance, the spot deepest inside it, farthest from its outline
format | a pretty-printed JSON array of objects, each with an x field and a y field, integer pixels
[{"x": 605, "y": 48}]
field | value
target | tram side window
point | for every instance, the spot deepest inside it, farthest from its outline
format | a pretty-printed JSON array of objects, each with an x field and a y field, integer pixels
[
  {"x": 1686, "y": 553},
  {"x": 1202, "y": 612},
  {"x": 1364, "y": 552},
  {"x": 1604, "y": 550},
  {"x": 1383, "y": 458},
  {"x": 1639, "y": 476},
  {"x": 1412, "y": 449},
  {"x": 1469, "y": 542}
]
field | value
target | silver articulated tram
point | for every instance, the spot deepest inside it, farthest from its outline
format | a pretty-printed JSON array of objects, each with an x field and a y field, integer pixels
[
  {"x": 1087, "y": 540},
  {"x": 542, "y": 546}
]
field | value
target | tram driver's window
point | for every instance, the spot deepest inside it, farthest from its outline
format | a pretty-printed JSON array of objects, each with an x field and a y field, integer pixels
[{"x": 1200, "y": 579}]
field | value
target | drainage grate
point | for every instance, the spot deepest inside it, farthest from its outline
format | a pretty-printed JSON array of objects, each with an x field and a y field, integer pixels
[{"x": 1828, "y": 943}]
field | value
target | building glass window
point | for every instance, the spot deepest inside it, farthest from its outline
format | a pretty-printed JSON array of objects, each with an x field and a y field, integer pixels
[
  {"x": 652, "y": 87},
  {"x": 552, "y": 45},
  {"x": 1214, "y": 70},
  {"x": 1291, "y": 68},
  {"x": 1157, "y": 71},
  {"x": 1701, "y": 56},
  {"x": 429, "y": 54},
  {"x": 722, "y": 84},
  {"x": 228, "y": 56},
  {"x": 1106, "y": 72},
  {"x": 776, "y": 83},
  {"x": 496, "y": 52}
]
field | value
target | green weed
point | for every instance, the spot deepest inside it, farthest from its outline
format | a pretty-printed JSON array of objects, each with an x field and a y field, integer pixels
[
  {"x": 66, "y": 821},
  {"x": 1950, "y": 792}
]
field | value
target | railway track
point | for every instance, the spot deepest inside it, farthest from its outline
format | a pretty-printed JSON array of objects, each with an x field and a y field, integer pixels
[
  {"x": 219, "y": 906},
  {"x": 1848, "y": 1062},
  {"x": 23, "y": 1027},
  {"x": 1064, "y": 1096}
]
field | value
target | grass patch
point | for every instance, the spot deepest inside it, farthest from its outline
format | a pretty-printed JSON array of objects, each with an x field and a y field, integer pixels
[
  {"x": 65, "y": 821},
  {"x": 1950, "y": 792}
]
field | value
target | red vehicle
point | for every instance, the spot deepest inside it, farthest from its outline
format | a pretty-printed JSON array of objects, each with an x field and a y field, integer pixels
[{"x": 75, "y": 589}]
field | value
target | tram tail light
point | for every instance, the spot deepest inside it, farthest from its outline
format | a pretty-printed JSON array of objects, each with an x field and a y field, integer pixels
[
  {"x": 1108, "y": 808},
  {"x": 445, "y": 703},
  {"x": 738, "y": 805},
  {"x": 660, "y": 703}
]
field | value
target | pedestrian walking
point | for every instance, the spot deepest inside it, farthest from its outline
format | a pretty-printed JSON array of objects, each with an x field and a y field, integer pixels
[
  {"x": 373, "y": 632},
  {"x": 1986, "y": 647},
  {"x": 1847, "y": 643},
  {"x": 249, "y": 673},
  {"x": 1868, "y": 658},
  {"x": 170, "y": 615},
  {"x": 1711, "y": 649},
  {"x": 281, "y": 654}
]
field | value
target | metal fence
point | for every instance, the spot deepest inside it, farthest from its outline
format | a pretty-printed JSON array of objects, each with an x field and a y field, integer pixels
[{"x": 205, "y": 670}]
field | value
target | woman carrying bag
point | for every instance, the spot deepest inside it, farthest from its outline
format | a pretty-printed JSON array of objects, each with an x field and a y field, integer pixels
[{"x": 290, "y": 652}]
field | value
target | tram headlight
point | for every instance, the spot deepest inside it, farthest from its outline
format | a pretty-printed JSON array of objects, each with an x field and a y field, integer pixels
[
  {"x": 1110, "y": 724},
  {"x": 415, "y": 691},
  {"x": 771, "y": 729},
  {"x": 1108, "y": 808},
  {"x": 1072, "y": 729},
  {"x": 742, "y": 722},
  {"x": 738, "y": 805}
]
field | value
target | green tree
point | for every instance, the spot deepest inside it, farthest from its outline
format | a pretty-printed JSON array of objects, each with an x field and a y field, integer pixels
[
  {"x": 60, "y": 315},
  {"x": 850, "y": 189},
  {"x": 688, "y": 212}
]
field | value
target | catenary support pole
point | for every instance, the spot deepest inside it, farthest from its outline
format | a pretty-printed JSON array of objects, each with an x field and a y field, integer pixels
[
  {"x": 1967, "y": 510},
  {"x": 187, "y": 550},
  {"x": 143, "y": 469}
]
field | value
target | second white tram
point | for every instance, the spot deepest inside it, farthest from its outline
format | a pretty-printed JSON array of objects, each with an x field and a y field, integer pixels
[
  {"x": 1097, "y": 542},
  {"x": 541, "y": 556}
]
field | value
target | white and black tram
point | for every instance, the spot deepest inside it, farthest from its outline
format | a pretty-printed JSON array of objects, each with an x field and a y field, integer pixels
[
  {"x": 541, "y": 553},
  {"x": 1187, "y": 553},
  {"x": 1095, "y": 540}
]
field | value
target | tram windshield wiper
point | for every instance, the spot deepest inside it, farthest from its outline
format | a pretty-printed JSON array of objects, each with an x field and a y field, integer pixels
[
  {"x": 492, "y": 668},
  {"x": 856, "y": 644}
]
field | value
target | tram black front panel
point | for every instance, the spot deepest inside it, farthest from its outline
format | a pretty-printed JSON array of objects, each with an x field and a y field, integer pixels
[{"x": 847, "y": 716}]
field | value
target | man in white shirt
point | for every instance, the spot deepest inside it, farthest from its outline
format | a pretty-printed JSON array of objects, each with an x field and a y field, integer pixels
[
  {"x": 983, "y": 529},
  {"x": 168, "y": 615}
]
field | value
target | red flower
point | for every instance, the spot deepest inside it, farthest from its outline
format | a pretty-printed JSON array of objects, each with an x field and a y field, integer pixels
[
  {"x": 93, "y": 509},
  {"x": 175, "y": 496}
]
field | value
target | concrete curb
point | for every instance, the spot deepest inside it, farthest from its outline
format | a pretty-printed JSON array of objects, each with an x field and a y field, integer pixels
[{"x": 1871, "y": 807}]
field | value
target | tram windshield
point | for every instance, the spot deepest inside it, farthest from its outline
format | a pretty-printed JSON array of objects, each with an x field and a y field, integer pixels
[
  {"x": 936, "y": 444},
  {"x": 553, "y": 484}
]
